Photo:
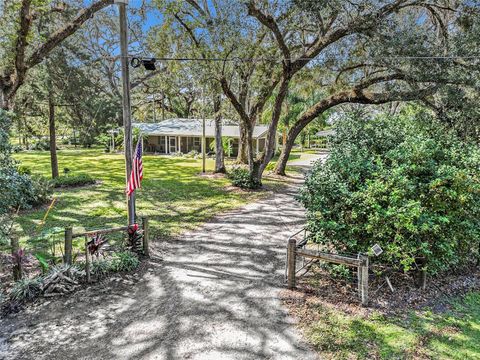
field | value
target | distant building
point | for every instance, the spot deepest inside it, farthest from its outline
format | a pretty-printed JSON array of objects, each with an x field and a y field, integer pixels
[
  {"x": 325, "y": 133},
  {"x": 185, "y": 135},
  {"x": 322, "y": 139}
]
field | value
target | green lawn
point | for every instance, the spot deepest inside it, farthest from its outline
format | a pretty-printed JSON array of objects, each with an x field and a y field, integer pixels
[
  {"x": 454, "y": 334},
  {"x": 173, "y": 194}
]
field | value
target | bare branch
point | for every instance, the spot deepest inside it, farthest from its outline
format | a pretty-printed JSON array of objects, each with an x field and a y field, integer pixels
[
  {"x": 269, "y": 22},
  {"x": 21, "y": 43},
  {"x": 145, "y": 78},
  {"x": 197, "y": 7},
  {"x": 189, "y": 31},
  {"x": 233, "y": 99}
]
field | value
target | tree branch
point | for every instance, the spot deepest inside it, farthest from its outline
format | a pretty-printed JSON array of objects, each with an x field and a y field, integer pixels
[
  {"x": 269, "y": 22},
  {"x": 16, "y": 75},
  {"x": 233, "y": 99},
  {"x": 64, "y": 32},
  {"x": 361, "y": 23},
  {"x": 197, "y": 7}
]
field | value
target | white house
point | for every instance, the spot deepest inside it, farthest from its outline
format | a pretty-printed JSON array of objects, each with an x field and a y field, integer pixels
[{"x": 185, "y": 135}]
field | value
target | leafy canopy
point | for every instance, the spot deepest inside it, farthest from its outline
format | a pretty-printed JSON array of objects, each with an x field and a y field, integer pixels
[{"x": 404, "y": 182}]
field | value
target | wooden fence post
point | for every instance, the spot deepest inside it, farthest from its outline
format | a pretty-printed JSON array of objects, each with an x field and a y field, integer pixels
[
  {"x": 146, "y": 249},
  {"x": 291, "y": 262},
  {"x": 17, "y": 255},
  {"x": 363, "y": 278},
  {"x": 423, "y": 278},
  {"x": 67, "y": 256},
  {"x": 87, "y": 260}
]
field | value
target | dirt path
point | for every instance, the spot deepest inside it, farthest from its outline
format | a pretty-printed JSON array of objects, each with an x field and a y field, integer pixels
[{"x": 210, "y": 294}]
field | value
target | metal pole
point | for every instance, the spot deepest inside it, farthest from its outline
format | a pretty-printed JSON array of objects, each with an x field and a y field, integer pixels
[
  {"x": 163, "y": 105},
  {"x": 154, "y": 113},
  {"x": 127, "y": 121},
  {"x": 204, "y": 140}
]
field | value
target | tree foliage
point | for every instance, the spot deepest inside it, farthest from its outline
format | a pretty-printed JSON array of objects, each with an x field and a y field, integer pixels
[
  {"x": 405, "y": 182},
  {"x": 19, "y": 191}
]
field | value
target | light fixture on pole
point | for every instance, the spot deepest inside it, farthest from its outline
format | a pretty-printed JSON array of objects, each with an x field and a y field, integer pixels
[{"x": 148, "y": 64}]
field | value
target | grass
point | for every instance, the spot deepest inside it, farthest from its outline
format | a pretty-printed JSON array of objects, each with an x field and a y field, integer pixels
[
  {"x": 173, "y": 194},
  {"x": 454, "y": 334}
]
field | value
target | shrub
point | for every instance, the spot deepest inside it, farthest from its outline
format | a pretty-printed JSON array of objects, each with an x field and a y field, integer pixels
[
  {"x": 105, "y": 140},
  {"x": 192, "y": 154},
  {"x": 40, "y": 191},
  {"x": 41, "y": 145},
  {"x": 101, "y": 267},
  {"x": 240, "y": 177},
  {"x": 19, "y": 191},
  {"x": 17, "y": 148},
  {"x": 26, "y": 289},
  {"x": 404, "y": 182},
  {"x": 47, "y": 246},
  {"x": 73, "y": 180},
  {"x": 24, "y": 170},
  {"x": 124, "y": 261}
]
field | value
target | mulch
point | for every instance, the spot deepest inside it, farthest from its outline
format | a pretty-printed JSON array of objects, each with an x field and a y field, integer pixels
[{"x": 317, "y": 287}]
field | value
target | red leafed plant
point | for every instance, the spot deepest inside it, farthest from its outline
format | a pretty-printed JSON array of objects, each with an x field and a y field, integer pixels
[
  {"x": 134, "y": 237},
  {"x": 95, "y": 244}
]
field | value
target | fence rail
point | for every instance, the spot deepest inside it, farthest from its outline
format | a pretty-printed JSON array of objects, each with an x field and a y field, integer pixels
[
  {"x": 70, "y": 235},
  {"x": 100, "y": 231},
  {"x": 295, "y": 250}
]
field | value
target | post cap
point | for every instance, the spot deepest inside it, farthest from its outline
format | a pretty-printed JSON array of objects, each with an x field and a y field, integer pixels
[{"x": 120, "y": 2}]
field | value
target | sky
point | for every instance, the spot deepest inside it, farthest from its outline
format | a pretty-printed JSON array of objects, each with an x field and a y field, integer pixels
[{"x": 153, "y": 17}]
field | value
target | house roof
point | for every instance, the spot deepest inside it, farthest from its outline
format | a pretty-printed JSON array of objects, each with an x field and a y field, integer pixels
[
  {"x": 325, "y": 133},
  {"x": 193, "y": 127}
]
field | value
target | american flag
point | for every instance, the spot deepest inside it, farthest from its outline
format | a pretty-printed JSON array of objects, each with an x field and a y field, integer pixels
[{"x": 137, "y": 170}]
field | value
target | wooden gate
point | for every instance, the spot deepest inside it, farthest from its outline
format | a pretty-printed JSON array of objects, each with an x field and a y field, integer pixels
[{"x": 295, "y": 250}]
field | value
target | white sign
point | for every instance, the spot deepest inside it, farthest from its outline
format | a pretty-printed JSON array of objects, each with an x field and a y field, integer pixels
[{"x": 377, "y": 250}]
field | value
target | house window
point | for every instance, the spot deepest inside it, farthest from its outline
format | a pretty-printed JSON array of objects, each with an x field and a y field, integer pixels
[{"x": 197, "y": 144}]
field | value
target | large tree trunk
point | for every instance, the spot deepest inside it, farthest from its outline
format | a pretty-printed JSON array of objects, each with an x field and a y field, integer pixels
[
  {"x": 285, "y": 154},
  {"x": 219, "y": 161},
  {"x": 4, "y": 103},
  {"x": 242, "y": 156},
  {"x": 271, "y": 139},
  {"x": 254, "y": 163},
  {"x": 53, "y": 141}
]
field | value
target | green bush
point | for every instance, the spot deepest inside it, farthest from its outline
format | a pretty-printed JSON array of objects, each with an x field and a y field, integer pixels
[
  {"x": 101, "y": 267},
  {"x": 26, "y": 289},
  {"x": 404, "y": 182},
  {"x": 17, "y": 148},
  {"x": 124, "y": 261},
  {"x": 240, "y": 177},
  {"x": 24, "y": 170},
  {"x": 42, "y": 144},
  {"x": 40, "y": 191},
  {"x": 47, "y": 246},
  {"x": 73, "y": 180},
  {"x": 192, "y": 154}
]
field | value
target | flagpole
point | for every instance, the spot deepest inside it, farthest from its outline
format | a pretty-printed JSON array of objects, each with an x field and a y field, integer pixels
[{"x": 127, "y": 121}]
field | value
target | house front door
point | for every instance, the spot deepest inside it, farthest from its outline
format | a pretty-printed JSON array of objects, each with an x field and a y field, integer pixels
[{"x": 172, "y": 144}]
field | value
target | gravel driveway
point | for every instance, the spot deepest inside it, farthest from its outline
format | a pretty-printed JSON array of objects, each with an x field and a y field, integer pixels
[{"x": 209, "y": 294}]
